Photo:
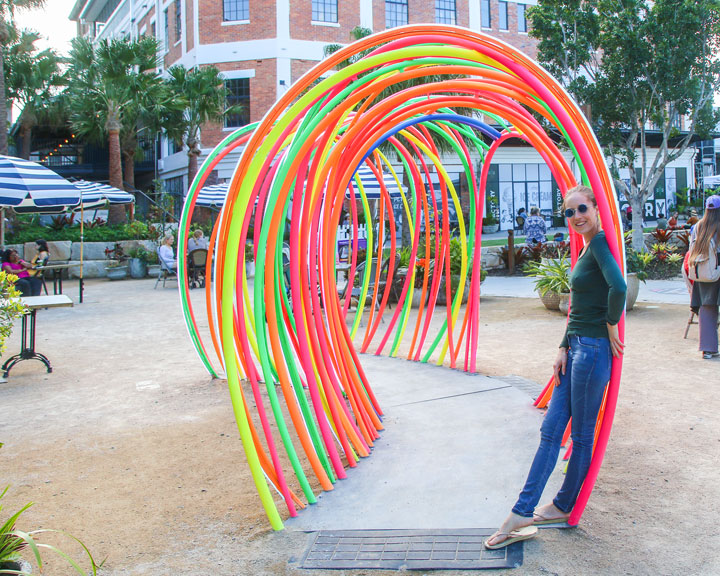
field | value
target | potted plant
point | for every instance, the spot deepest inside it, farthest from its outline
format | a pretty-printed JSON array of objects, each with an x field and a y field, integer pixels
[
  {"x": 153, "y": 263},
  {"x": 637, "y": 264},
  {"x": 138, "y": 262},
  {"x": 10, "y": 307},
  {"x": 490, "y": 224},
  {"x": 13, "y": 542},
  {"x": 552, "y": 281}
]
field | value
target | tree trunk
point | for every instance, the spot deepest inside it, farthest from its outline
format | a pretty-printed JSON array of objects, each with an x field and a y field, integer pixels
[
  {"x": 193, "y": 154},
  {"x": 116, "y": 214},
  {"x": 26, "y": 138},
  {"x": 129, "y": 167},
  {"x": 638, "y": 206},
  {"x": 3, "y": 100}
]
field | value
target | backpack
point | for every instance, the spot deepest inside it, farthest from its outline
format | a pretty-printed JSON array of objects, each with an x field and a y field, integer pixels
[{"x": 706, "y": 267}]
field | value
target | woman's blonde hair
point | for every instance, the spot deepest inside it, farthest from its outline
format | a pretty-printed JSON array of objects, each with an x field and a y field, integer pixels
[
  {"x": 580, "y": 189},
  {"x": 705, "y": 230},
  {"x": 168, "y": 237}
]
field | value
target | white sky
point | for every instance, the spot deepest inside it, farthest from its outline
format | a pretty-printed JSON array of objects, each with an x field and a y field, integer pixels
[{"x": 52, "y": 23}]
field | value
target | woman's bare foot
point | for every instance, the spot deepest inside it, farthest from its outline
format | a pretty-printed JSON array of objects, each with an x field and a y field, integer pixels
[
  {"x": 512, "y": 523},
  {"x": 549, "y": 513}
]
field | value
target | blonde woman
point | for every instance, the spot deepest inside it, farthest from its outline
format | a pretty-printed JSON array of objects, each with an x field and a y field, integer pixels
[
  {"x": 706, "y": 295},
  {"x": 582, "y": 370},
  {"x": 166, "y": 253}
]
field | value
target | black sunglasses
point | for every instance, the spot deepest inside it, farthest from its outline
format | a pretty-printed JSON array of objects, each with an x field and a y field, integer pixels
[{"x": 570, "y": 212}]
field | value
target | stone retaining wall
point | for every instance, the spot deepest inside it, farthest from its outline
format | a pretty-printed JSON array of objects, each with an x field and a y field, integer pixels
[{"x": 94, "y": 258}]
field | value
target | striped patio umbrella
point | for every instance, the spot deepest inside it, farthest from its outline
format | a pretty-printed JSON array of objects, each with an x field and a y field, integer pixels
[
  {"x": 212, "y": 196},
  {"x": 371, "y": 185},
  {"x": 96, "y": 195}
]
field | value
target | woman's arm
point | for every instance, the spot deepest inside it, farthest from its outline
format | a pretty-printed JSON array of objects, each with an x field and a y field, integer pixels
[{"x": 616, "y": 292}]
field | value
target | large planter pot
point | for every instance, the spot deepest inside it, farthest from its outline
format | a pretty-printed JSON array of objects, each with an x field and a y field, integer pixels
[
  {"x": 117, "y": 273},
  {"x": 551, "y": 300},
  {"x": 490, "y": 228},
  {"x": 564, "y": 303},
  {"x": 138, "y": 268},
  {"x": 250, "y": 269},
  {"x": 16, "y": 566},
  {"x": 633, "y": 287},
  {"x": 416, "y": 297},
  {"x": 442, "y": 297}
]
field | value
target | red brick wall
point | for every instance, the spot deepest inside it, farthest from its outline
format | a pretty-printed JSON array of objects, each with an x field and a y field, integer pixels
[
  {"x": 522, "y": 41},
  {"x": 262, "y": 94},
  {"x": 299, "y": 67},
  {"x": 262, "y": 23},
  {"x": 301, "y": 27},
  {"x": 189, "y": 24},
  {"x": 419, "y": 12},
  {"x": 174, "y": 48}
]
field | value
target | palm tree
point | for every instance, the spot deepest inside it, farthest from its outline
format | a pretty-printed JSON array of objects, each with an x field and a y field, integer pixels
[
  {"x": 201, "y": 94},
  {"x": 32, "y": 80},
  {"x": 7, "y": 13},
  {"x": 114, "y": 88}
]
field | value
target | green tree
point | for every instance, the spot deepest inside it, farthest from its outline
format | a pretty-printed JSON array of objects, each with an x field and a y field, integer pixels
[
  {"x": 114, "y": 89},
  {"x": 200, "y": 95},
  {"x": 637, "y": 66},
  {"x": 33, "y": 80},
  {"x": 7, "y": 14}
]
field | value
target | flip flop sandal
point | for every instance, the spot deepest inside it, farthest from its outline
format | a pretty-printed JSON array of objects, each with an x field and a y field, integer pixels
[
  {"x": 524, "y": 533},
  {"x": 539, "y": 520}
]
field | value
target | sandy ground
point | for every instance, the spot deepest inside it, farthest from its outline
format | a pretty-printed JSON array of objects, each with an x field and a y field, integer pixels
[{"x": 132, "y": 447}]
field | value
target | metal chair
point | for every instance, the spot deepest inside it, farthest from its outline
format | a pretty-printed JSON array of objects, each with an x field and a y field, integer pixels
[
  {"x": 196, "y": 267},
  {"x": 166, "y": 270}
]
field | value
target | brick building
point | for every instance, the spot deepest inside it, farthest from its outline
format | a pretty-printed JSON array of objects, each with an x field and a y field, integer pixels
[{"x": 262, "y": 46}]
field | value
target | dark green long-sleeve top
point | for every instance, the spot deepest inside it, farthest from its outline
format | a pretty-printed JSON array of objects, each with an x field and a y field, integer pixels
[{"x": 597, "y": 289}]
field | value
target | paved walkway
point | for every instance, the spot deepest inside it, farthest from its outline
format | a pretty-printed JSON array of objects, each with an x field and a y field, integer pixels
[{"x": 652, "y": 291}]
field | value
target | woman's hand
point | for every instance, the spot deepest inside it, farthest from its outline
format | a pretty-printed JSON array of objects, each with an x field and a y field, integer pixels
[
  {"x": 560, "y": 365},
  {"x": 26, "y": 265},
  {"x": 616, "y": 345}
]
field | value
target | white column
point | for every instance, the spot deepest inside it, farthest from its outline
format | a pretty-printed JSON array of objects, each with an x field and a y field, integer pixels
[
  {"x": 366, "y": 14},
  {"x": 283, "y": 59},
  {"x": 475, "y": 20}
]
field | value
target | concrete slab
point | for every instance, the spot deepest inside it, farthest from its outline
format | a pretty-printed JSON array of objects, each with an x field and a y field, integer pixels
[{"x": 454, "y": 454}]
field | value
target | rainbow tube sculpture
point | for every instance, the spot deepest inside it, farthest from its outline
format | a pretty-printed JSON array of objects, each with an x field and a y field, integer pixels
[{"x": 291, "y": 336}]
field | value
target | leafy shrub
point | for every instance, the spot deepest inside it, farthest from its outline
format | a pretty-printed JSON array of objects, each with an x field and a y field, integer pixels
[
  {"x": 10, "y": 308},
  {"x": 550, "y": 275}
]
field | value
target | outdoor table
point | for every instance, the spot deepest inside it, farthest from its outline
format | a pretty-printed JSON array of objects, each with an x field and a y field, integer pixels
[
  {"x": 27, "y": 348},
  {"x": 56, "y": 270}
]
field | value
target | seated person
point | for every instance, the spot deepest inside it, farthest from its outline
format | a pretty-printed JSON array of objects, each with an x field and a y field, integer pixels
[
  {"x": 673, "y": 221},
  {"x": 535, "y": 227},
  {"x": 521, "y": 218},
  {"x": 197, "y": 241},
  {"x": 559, "y": 237},
  {"x": 42, "y": 256},
  {"x": 166, "y": 253},
  {"x": 693, "y": 219},
  {"x": 662, "y": 222},
  {"x": 26, "y": 284}
]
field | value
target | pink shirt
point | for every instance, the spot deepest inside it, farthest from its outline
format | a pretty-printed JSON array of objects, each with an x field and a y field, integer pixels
[{"x": 17, "y": 269}]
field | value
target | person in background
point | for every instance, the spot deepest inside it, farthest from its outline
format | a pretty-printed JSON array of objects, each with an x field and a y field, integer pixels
[
  {"x": 693, "y": 219},
  {"x": 197, "y": 241},
  {"x": 42, "y": 256},
  {"x": 625, "y": 216},
  {"x": 535, "y": 227},
  {"x": 673, "y": 221},
  {"x": 582, "y": 370},
  {"x": 705, "y": 297},
  {"x": 166, "y": 252},
  {"x": 26, "y": 284},
  {"x": 662, "y": 222}
]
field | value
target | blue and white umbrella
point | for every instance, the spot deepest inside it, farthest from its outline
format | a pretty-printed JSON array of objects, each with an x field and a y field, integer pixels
[
  {"x": 96, "y": 195},
  {"x": 28, "y": 184},
  {"x": 212, "y": 196},
  {"x": 371, "y": 185}
]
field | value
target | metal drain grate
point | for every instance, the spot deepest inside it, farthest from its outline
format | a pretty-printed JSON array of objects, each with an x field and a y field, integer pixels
[
  {"x": 409, "y": 550},
  {"x": 530, "y": 387}
]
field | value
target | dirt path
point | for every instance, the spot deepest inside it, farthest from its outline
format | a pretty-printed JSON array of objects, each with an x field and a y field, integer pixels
[{"x": 130, "y": 446}]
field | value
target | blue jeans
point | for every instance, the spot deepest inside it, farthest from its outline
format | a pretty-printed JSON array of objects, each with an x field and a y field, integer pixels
[{"x": 579, "y": 395}]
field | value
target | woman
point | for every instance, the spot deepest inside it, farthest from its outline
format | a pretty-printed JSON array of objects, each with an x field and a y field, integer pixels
[
  {"x": 13, "y": 264},
  {"x": 673, "y": 221},
  {"x": 197, "y": 241},
  {"x": 42, "y": 256},
  {"x": 582, "y": 369},
  {"x": 535, "y": 227},
  {"x": 706, "y": 295},
  {"x": 166, "y": 252}
]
